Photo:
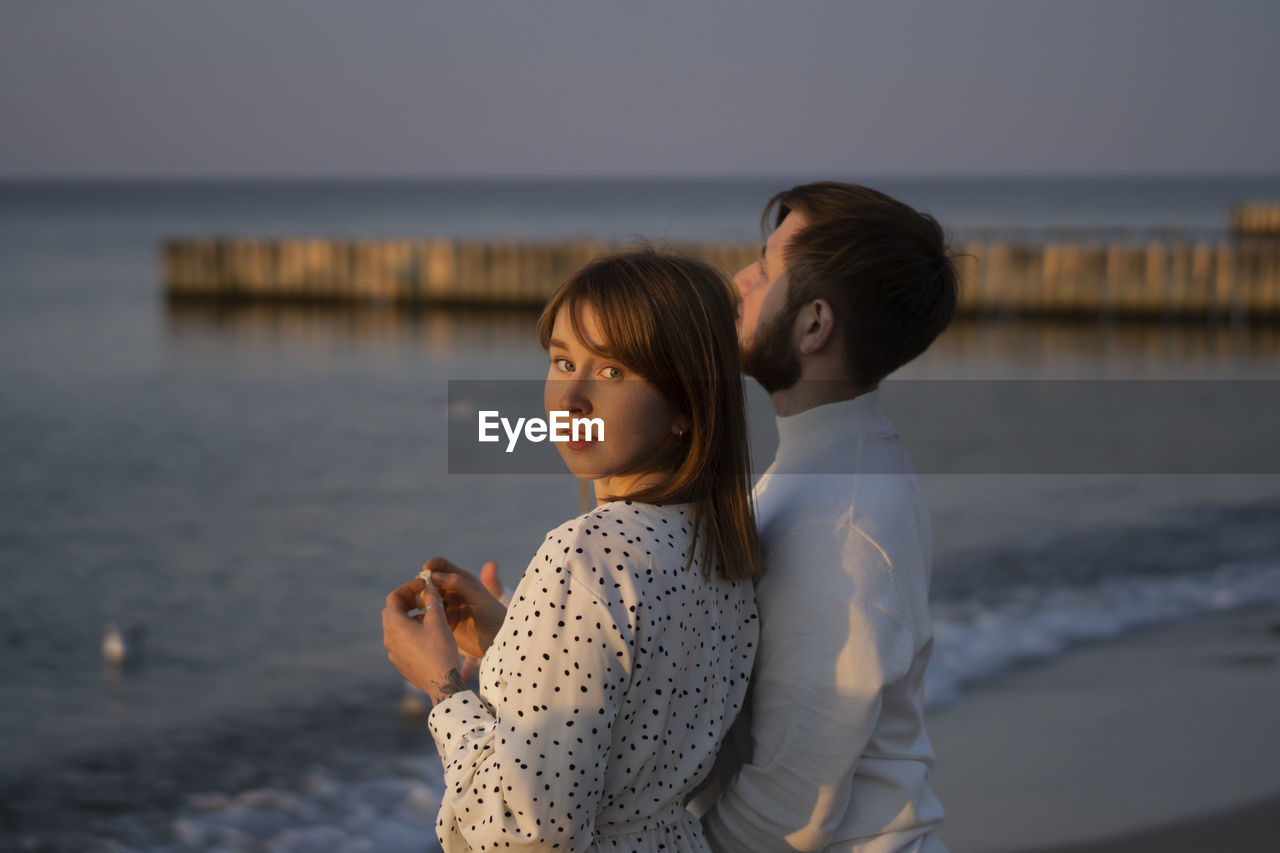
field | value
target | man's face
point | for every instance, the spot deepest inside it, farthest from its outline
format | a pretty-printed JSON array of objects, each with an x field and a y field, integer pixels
[{"x": 764, "y": 323}]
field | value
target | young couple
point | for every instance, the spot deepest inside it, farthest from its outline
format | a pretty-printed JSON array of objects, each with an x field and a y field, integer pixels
[{"x": 609, "y": 685}]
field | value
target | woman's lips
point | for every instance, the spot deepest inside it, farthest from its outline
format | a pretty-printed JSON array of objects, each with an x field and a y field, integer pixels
[{"x": 580, "y": 445}]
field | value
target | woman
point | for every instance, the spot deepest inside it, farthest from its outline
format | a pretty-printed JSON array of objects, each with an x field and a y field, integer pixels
[{"x": 608, "y": 685}]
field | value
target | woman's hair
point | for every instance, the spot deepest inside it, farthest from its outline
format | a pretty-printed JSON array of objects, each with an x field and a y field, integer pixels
[{"x": 672, "y": 320}]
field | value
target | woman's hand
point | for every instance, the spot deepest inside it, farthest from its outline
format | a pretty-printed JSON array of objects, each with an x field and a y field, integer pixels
[
  {"x": 473, "y": 606},
  {"x": 422, "y": 648}
]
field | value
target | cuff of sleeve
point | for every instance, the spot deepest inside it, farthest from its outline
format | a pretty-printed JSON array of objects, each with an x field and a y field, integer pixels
[{"x": 451, "y": 718}]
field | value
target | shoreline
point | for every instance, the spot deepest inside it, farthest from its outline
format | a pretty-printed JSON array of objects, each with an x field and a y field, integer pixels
[{"x": 1156, "y": 738}]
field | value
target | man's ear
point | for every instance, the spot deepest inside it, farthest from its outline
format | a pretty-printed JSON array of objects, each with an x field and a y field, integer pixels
[{"x": 817, "y": 325}]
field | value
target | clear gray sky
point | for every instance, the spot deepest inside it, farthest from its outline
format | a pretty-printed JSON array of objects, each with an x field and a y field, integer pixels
[{"x": 551, "y": 88}]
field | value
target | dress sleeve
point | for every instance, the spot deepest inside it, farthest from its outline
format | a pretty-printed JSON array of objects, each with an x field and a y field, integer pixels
[
  {"x": 522, "y": 767},
  {"x": 830, "y": 640}
]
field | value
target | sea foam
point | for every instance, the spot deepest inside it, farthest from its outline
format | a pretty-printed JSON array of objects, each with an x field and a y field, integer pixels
[{"x": 977, "y": 638}]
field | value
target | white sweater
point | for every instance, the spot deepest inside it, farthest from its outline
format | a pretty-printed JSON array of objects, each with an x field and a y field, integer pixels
[{"x": 831, "y": 751}]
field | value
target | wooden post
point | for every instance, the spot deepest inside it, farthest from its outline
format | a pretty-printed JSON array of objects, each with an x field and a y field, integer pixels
[
  {"x": 1223, "y": 294},
  {"x": 1126, "y": 278},
  {"x": 473, "y": 274},
  {"x": 1024, "y": 278},
  {"x": 1201, "y": 278},
  {"x": 1154, "y": 297},
  {"x": 1270, "y": 273},
  {"x": 1252, "y": 288},
  {"x": 995, "y": 280},
  {"x": 969, "y": 269},
  {"x": 1052, "y": 274},
  {"x": 1178, "y": 287},
  {"x": 1093, "y": 271},
  {"x": 440, "y": 268}
]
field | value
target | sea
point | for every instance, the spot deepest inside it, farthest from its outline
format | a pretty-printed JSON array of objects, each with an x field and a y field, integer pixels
[{"x": 237, "y": 489}]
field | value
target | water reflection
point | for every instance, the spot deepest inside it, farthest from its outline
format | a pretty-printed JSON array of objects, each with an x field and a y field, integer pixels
[
  {"x": 438, "y": 331},
  {"x": 1014, "y": 347},
  {"x": 1106, "y": 350}
]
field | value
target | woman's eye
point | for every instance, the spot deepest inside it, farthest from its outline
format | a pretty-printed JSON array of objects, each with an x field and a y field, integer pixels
[
  {"x": 564, "y": 365},
  {"x": 611, "y": 373}
]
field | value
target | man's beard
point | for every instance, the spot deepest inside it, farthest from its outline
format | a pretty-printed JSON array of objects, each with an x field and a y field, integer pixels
[{"x": 769, "y": 358}]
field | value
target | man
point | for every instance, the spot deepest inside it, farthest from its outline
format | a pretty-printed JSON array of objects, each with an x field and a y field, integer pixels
[{"x": 831, "y": 752}]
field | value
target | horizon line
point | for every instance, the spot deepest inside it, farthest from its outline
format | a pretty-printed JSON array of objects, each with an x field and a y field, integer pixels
[{"x": 792, "y": 178}]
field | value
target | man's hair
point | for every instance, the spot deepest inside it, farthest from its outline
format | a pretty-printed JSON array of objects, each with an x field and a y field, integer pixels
[
  {"x": 885, "y": 269},
  {"x": 672, "y": 320}
]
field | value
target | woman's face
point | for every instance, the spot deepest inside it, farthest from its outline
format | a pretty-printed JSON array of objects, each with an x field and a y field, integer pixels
[{"x": 638, "y": 422}]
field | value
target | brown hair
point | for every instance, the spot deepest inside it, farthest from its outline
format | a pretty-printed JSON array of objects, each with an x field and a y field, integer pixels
[
  {"x": 885, "y": 269},
  {"x": 672, "y": 320}
]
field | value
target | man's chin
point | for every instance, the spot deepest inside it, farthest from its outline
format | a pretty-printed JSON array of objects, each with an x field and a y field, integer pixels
[
  {"x": 773, "y": 377},
  {"x": 766, "y": 357},
  {"x": 749, "y": 357}
]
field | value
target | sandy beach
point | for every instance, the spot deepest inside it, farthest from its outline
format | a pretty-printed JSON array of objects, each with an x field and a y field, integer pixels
[{"x": 1161, "y": 740}]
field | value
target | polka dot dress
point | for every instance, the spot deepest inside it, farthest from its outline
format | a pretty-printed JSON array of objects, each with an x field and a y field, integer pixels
[{"x": 604, "y": 697}]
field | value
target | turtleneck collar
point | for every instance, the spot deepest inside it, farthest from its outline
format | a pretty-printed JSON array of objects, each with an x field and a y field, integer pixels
[{"x": 832, "y": 422}]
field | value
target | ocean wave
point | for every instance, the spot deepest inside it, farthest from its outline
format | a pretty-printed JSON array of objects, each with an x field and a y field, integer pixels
[
  {"x": 389, "y": 806},
  {"x": 978, "y": 638}
]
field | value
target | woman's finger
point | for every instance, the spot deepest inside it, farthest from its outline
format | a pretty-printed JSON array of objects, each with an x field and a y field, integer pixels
[
  {"x": 462, "y": 585},
  {"x": 415, "y": 596},
  {"x": 440, "y": 564},
  {"x": 405, "y": 597},
  {"x": 489, "y": 577},
  {"x": 452, "y": 611},
  {"x": 429, "y": 595}
]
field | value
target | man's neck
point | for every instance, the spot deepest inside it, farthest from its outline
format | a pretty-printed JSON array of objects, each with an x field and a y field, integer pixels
[{"x": 809, "y": 394}]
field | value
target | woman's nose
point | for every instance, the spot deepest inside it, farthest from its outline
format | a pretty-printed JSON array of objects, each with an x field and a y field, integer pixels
[{"x": 575, "y": 396}]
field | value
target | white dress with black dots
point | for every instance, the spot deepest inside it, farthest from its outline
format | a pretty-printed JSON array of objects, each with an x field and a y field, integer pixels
[{"x": 604, "y": 697}]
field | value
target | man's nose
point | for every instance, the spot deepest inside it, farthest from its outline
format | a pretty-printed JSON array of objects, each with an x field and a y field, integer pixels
[{"x": 742, "y": 278}]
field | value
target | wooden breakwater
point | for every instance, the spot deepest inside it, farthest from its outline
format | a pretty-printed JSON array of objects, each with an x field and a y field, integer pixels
[
  {"x": 1153, "y": 280},
  {"x": 1256, "y": 219},
  {"x": 405, "y": 272},
  {"x": 1191, "y": 278}
]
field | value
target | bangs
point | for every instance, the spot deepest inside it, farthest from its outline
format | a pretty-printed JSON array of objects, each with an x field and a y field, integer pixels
[
  {"x": 618, "y": 301},
  {"x": 573, "y": 301}
]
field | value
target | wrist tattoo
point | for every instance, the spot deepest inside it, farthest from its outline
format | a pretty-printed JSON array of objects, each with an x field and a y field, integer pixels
[{"x": 453, "y": 684}]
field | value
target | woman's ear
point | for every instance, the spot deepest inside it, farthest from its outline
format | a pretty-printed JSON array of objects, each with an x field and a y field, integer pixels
[
  {"x": 680, "y": 426},
  {"x": 817, "y": 323}
]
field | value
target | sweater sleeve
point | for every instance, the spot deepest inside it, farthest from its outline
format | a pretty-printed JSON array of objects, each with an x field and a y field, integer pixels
[
  {"x": 522, "y": 767},
  {"x": 833, "y": 634}
]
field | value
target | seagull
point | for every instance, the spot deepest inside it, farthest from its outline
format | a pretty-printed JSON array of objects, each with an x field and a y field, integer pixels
[{"x": 121, "y": 647}]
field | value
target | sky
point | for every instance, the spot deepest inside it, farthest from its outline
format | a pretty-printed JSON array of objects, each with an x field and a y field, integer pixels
[{"x": 602, "y": 88}]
